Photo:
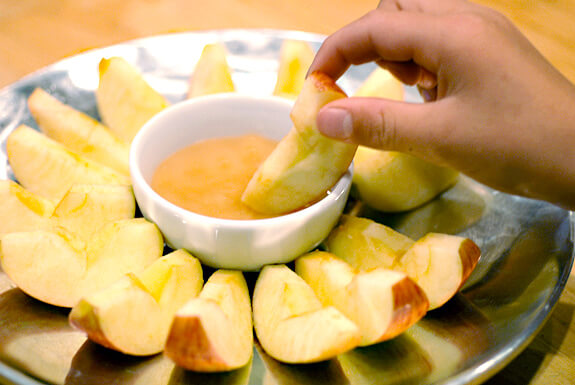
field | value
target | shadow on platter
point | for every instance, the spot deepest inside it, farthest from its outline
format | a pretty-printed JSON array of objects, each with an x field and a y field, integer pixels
[{"x": 36, "y": 337}]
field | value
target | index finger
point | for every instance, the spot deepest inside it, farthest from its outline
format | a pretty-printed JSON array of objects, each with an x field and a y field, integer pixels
[{"x": 381, "y": 34}]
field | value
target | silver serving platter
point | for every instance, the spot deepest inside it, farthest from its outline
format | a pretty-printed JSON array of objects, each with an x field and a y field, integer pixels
[{"x": 527, "y": 252}]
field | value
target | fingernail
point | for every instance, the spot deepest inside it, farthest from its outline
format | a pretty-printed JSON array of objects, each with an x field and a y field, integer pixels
[
  {"x": 425, "y": 94},
  {"x": 427, "y": 79},
  {"x": 335, "y": 123}
]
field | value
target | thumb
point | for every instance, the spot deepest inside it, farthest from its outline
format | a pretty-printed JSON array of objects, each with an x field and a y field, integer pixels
[{"x": 383, "y": 124}]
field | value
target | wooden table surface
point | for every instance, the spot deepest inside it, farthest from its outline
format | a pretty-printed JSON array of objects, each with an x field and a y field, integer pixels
[{"x": 35, "y": 33}]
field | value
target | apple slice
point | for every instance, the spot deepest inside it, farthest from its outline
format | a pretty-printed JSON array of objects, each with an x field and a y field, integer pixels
[
  {"x": 125, "y": 100},
  {"x": 133, "y": 315},
  {"x": 46, "y": 167},
  {"x": 212, "y": 73},
  {"x": 85, "y": 209},
  {"x": 381, "y": 84},
  {"x": 58, "y": 268},
  {"x": 295, "y": 58},
  {"x": 383, "y": 303},
  {"x": 292, "y": 325},
  {"x": 439, "y": 263},
  {"x": 214, "y": 333},
  {"x": 22, "y": 210},
  {"x": 78, "y": 131},
  {"x": 366, "y": 244},
  {"x": 305, "y": 164},
  {"x": 391, "y": 181}
]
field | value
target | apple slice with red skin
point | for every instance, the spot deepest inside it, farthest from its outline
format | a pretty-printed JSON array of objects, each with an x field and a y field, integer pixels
[
  {"x": 213, "y": 332},
  {"x": 439, "y": 263},
  {"x": 383, "y": 303}
]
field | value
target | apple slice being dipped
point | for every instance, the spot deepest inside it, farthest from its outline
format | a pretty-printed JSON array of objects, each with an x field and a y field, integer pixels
[
  {"x": 292, "y": 325},
  {"x": 133, "y": 315},
  {"x": 383, "y": 303},
  {"x": 305, "y": 164},
  {"x": 213, "y": 332}
]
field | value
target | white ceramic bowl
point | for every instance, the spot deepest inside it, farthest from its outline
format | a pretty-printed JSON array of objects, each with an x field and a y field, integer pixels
[{"x": 224, "y": 243}]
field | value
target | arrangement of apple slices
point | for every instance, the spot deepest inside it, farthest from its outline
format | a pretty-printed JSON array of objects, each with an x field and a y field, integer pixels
[
  {"x": 125, "y": 100},
  {"x": 214, "y": 332},
  {"x": 439, "y": 263},
  {"x": 291, "y": 323},
  {"x": 391, "y": 181},
  {"x": 73, "y": 241},
  {"x": 382, "y": 303},
  {"x": 295, "y": 58},
  {"x": 212, "y": 73},
  {"x": 133, "y": 315},
  {"x": 305, "y": 164}
]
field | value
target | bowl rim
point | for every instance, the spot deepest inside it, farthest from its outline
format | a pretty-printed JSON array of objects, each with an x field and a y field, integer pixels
[{"x": 333, "y": 194}]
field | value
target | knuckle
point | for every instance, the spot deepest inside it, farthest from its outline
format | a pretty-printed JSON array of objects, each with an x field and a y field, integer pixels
[{"x": 482, "y": 24}]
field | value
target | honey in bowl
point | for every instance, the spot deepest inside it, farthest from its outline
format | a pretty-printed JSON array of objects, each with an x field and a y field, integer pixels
[{"x": 208, "y": 177}]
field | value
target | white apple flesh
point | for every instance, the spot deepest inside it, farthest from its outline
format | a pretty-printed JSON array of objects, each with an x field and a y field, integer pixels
[
  {"x": 47, "y": 168},
  {"x": 295, "y": 58},
  {"x": 212, "y": 74},
  {"x": 125, "y": 99},
  {"x": 133, "y": 315},
  {"x": 78, "y": 131},
  {"x": 292, "y": 325},
  {"x": 59, "y": 268}
]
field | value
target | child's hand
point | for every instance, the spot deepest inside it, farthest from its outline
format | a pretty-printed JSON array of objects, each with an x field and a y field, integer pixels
[{"x": 497, "y": 110}]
